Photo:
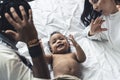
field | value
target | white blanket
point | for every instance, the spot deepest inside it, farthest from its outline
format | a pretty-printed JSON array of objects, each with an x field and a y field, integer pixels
[{"x": 64, "y": 15}]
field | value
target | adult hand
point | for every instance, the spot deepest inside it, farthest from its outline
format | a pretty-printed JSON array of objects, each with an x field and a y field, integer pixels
[
  {"x": 25, "y": 29},
  {"x": 96, "y": 26},
  {"x": 26, "y": 32}
]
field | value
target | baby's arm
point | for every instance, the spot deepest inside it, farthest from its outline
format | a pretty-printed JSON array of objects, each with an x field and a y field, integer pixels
[
  {"x": 80, "y": 53},
  {"x": 48, "y": 59},
  {"x": 47, "y": 56}
]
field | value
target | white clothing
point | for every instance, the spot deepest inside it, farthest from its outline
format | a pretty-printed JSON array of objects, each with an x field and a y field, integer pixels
[
  {"x": 102, "y": 63},
  {"x": 112, "y": 34},
  {"x": 11, "y": 67},
  {"x": 66, "y": 77},
  {"x": 103, "y": 55}
]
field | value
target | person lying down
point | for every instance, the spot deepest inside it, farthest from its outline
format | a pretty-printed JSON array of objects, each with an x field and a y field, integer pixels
[{"x": 65, "y": 64}]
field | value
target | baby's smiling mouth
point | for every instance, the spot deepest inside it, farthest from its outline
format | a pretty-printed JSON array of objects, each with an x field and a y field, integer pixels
[{"x": 60, "y": 45}]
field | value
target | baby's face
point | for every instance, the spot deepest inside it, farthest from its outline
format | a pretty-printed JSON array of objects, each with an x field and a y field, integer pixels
[{"x": 59, "y": 44}]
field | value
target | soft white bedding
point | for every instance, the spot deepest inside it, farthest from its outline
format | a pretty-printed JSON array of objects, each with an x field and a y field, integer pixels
[
  {"x": 102, "y": 62},
  {"x": 64, "y": 15}
]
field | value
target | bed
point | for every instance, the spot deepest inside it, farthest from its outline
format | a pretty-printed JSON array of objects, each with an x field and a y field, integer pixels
[{"x": 102, "y": 62}]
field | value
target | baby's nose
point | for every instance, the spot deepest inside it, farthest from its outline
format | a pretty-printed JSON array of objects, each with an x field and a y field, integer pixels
[{"x": 58, "y": 41}]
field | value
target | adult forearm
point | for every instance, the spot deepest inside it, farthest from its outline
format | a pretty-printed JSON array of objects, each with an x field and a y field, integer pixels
[{"x": 40, "y": 68}]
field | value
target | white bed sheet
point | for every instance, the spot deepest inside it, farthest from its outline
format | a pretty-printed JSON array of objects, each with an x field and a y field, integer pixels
[{"x": 102, "y": 62}]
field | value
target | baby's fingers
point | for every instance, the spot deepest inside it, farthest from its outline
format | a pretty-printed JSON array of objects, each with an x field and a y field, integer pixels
[{"x": 71, "y": 37}]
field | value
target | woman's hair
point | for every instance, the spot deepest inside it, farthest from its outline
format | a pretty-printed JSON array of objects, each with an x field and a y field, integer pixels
[
  {"x": 117, "y": 2},
  {"x": 55, "y": 32},
  {"x": 29, "y": 0},
  {"x": 88, "y": 13},
  {"x": 5, "y": 7}
]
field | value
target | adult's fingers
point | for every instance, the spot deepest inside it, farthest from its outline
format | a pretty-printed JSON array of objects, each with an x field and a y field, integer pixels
[
  {"x": 10, "y": 20},
  {"x": 102, "y": 21},
  {"x": 13, "y": 34},
  {"x": 96, "y": 20},
  {"x": 104, "y": 29},
  {"x": 10, "y": 32},
  {"x": 22, "y": 10},
  {"x": 30, "y": 15},
  {"x": 15, "y": 15}
]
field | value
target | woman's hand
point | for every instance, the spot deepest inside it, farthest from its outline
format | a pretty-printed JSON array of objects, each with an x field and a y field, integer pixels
[
  {"x": 25, "y": 29},
  {"x": 96, "y": 26}
]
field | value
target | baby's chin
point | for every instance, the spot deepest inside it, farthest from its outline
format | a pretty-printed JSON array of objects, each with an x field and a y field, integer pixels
[{"x": 62, "y": 51}]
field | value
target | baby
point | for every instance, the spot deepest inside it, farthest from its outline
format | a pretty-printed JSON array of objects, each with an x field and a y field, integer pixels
[{"x": 65, "y": 64}]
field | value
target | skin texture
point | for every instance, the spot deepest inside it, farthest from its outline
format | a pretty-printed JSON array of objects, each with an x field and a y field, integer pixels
[
  {"x": 118, "y": 6},
  {"x": 106, "y": 7},
  {"x": 56, "y": 41},
  {"x": 25, "y": 27},
  {"x": 64, "y": 62}
]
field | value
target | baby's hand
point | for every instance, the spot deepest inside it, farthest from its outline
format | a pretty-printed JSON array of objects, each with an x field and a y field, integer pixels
[
  {"x": 96, "y": 26},
  {"x": 71, "y": 38}
]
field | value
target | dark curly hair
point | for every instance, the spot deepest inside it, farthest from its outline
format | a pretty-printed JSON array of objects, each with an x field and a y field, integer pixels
[
  {"x": 5, "y": 7},
  {"x": 89, "y": 13}
]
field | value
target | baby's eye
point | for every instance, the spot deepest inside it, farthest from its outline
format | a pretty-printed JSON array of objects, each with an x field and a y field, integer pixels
[
  {"x": 61, "y": 38},
  {"x": 53, "y": 41}
]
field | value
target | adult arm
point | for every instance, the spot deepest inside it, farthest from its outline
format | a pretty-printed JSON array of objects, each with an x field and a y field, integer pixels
[{"x": 26, "y": 32}]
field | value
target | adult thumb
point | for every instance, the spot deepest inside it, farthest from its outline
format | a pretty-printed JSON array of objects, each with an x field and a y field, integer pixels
[{"x": 13, "y": 34}]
